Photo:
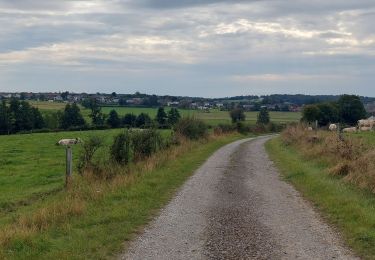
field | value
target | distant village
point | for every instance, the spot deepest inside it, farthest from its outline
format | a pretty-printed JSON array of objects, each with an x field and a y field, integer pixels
[{"x": 292, "y": 103}]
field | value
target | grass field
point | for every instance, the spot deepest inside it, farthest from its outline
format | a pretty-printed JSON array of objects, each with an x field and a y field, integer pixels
[
  {"x": 39, "y": 219},
  {"x": 32, "y": 165},
  {"x": 214, "y": 117},
  {"x": 346, "y": 206}
]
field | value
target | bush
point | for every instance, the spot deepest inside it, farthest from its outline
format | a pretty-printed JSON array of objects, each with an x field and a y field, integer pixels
[
  {"x": 120, "y": 149},
  {"x": 89, "y": 148},
  {"x": 225, "y": 128},
  {"x": 145, "y": 143},
  {"x": 191, "y": 128}
]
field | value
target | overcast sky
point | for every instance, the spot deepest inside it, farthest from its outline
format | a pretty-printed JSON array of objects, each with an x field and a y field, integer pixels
[{"x": 207, "y": 48}]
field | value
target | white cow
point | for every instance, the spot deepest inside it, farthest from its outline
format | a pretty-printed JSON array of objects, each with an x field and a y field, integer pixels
[
  {"x": 309, "y": 128},
  {"x": 332, "y": 127},
  {"x": 350, "y": 130}
]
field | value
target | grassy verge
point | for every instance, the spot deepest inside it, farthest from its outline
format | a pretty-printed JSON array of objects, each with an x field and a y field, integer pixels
[
  {"x": 349, "y": 208},
  {"x": 93, "y": 220}
]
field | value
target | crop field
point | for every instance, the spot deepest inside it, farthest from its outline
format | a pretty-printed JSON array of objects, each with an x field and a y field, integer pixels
[{"x": 214, "y": 117}]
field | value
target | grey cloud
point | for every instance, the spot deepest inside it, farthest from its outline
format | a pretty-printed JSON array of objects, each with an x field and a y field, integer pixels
[{"x": 160, "y": 4}]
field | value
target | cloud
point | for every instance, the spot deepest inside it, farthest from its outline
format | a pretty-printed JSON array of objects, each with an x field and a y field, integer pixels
[{"x": 188, "y": 46}]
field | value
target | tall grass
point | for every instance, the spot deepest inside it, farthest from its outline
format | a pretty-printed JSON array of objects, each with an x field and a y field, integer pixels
[{"x": 348, "y": 157}]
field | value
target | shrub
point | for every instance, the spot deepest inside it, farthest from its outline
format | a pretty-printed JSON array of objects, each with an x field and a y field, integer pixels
[
  {"x": 191, "y": 128},
  {"x": 120, "y": 149},
  {"x": 145, "y": 143},
  {"x": 89, "y": 149}
]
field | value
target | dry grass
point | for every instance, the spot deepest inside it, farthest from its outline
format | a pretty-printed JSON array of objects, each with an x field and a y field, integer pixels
[
  {"x": 348, "y": 157},
  {"x": 86, "y": 188}
]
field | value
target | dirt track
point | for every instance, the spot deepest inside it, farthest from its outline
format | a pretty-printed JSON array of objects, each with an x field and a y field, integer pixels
[{"x": 236, "y": 207}]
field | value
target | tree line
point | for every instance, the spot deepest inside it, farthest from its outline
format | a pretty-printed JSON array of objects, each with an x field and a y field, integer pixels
[
  {"x": 348, "y": 109},
  {"x": 18, "y": 116}
]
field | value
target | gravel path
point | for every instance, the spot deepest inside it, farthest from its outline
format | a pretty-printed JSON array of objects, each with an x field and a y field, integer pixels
[{"x": 236, "y": 207}]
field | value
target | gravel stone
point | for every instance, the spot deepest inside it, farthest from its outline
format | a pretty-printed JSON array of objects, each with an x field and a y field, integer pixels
[{"x": 236, "y": 207}]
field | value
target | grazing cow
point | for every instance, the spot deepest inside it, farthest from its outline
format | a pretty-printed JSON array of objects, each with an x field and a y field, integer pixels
[
  {"x": 332, "y": 127},
  {"x": 350, "y": 130}
]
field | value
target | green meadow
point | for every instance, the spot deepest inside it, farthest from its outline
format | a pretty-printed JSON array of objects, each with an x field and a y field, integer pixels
[{"x": 214, "y": 117}]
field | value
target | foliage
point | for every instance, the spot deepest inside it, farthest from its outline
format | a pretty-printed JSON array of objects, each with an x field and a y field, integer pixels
[
  {"x": 351, "y": 109},
  {"x": 191, "y": 128},
  {"x": 113, "y": 120},
  {"x": 263, "y": 116},
  {"x": 173, "y": 116},
  {"x": 237, "y": 115},
  {"x": 71, "y": 117},
  {"x": 97, "y": 117},
  {"x": 145, "y": 143},
  {"x": 161, "y": 117},
  {"x": 120, "y": 149},
  {"x": 129, "y": 120},
  {"x": 19, "y": 116},
  {"x": 143, "y": 120},
  {"x": 90, "y": 147}
]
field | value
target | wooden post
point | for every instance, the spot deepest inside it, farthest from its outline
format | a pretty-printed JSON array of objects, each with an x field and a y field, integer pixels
[{"x": 69, "y": 166}]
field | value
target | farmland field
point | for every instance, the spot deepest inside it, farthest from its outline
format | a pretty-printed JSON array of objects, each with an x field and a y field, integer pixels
[{"x": 214, "y": 117}]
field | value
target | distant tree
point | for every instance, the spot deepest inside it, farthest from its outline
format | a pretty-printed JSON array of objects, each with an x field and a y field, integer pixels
[
  {"x": 173, "y": 116},
  {"x": 237, "y": 115},
  {"x": 71, "y": 117},
  {"x": 151, "y": 101},
  {"x": 351, "y": 109},
  {"x": 52, "y": 119},
  {"x": 263, "y": 116},
  {"x": 64, "y": 95},
  {"x": 129, "y": 120},
  {"x": 310, "y": 113},
  {"x": 5, "y": 118},
  {"x": 38, "y": 120},
  {"x": 114, "y": 94},
  {"x": 122, "y": 102},
  {"x": 143, "y": 120},
  {"x": 23, "y": 117},
  {"x": 113, "y": 119},
  {"x": 161, "y": 117},
  {"x": 23, "y": 96},
  {"x": 97, "y": 117},
  {"x": 328, "y": 113}
]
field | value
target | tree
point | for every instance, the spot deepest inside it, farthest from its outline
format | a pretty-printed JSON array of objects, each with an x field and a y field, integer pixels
[
  {"x": 143, "y": 120},
  {"x": 173, "y": 116},
  {"x": 113, "y": 119},
  {"x": 38, "y": 120},
  {"x": 71, "y": 117},
  {"x": 237, "y": 115},
  {"x": 351, "y": 109},
  {"x": 151, "y": 101},
  {"x": 114, "y": 94},
  {"x": 161, "y": 117},
  {"x": 328, "y": 113},
  {"x": 263, "y": 116},
  {"x": 129, "y": 120},
  {"x": 97, "y": 117},
  {"x": 64, "y": 95},
  {"x": 310, "y": 113},
  {"x": 5, "y": 118}
]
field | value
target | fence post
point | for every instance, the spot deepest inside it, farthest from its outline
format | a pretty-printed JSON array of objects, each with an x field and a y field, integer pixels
[{"x": 69, "y": 166}]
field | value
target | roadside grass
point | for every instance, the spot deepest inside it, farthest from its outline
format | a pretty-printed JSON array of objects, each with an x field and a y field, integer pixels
[
  {"x": 94, "y": 218},
  {"x": 347, "y": 207}
]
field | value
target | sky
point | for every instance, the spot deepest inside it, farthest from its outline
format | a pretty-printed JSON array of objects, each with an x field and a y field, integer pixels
[{"x": 207, "y": 48}]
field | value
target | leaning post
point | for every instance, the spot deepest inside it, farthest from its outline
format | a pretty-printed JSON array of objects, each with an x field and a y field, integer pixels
[{"x": 69, "y": 158}]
